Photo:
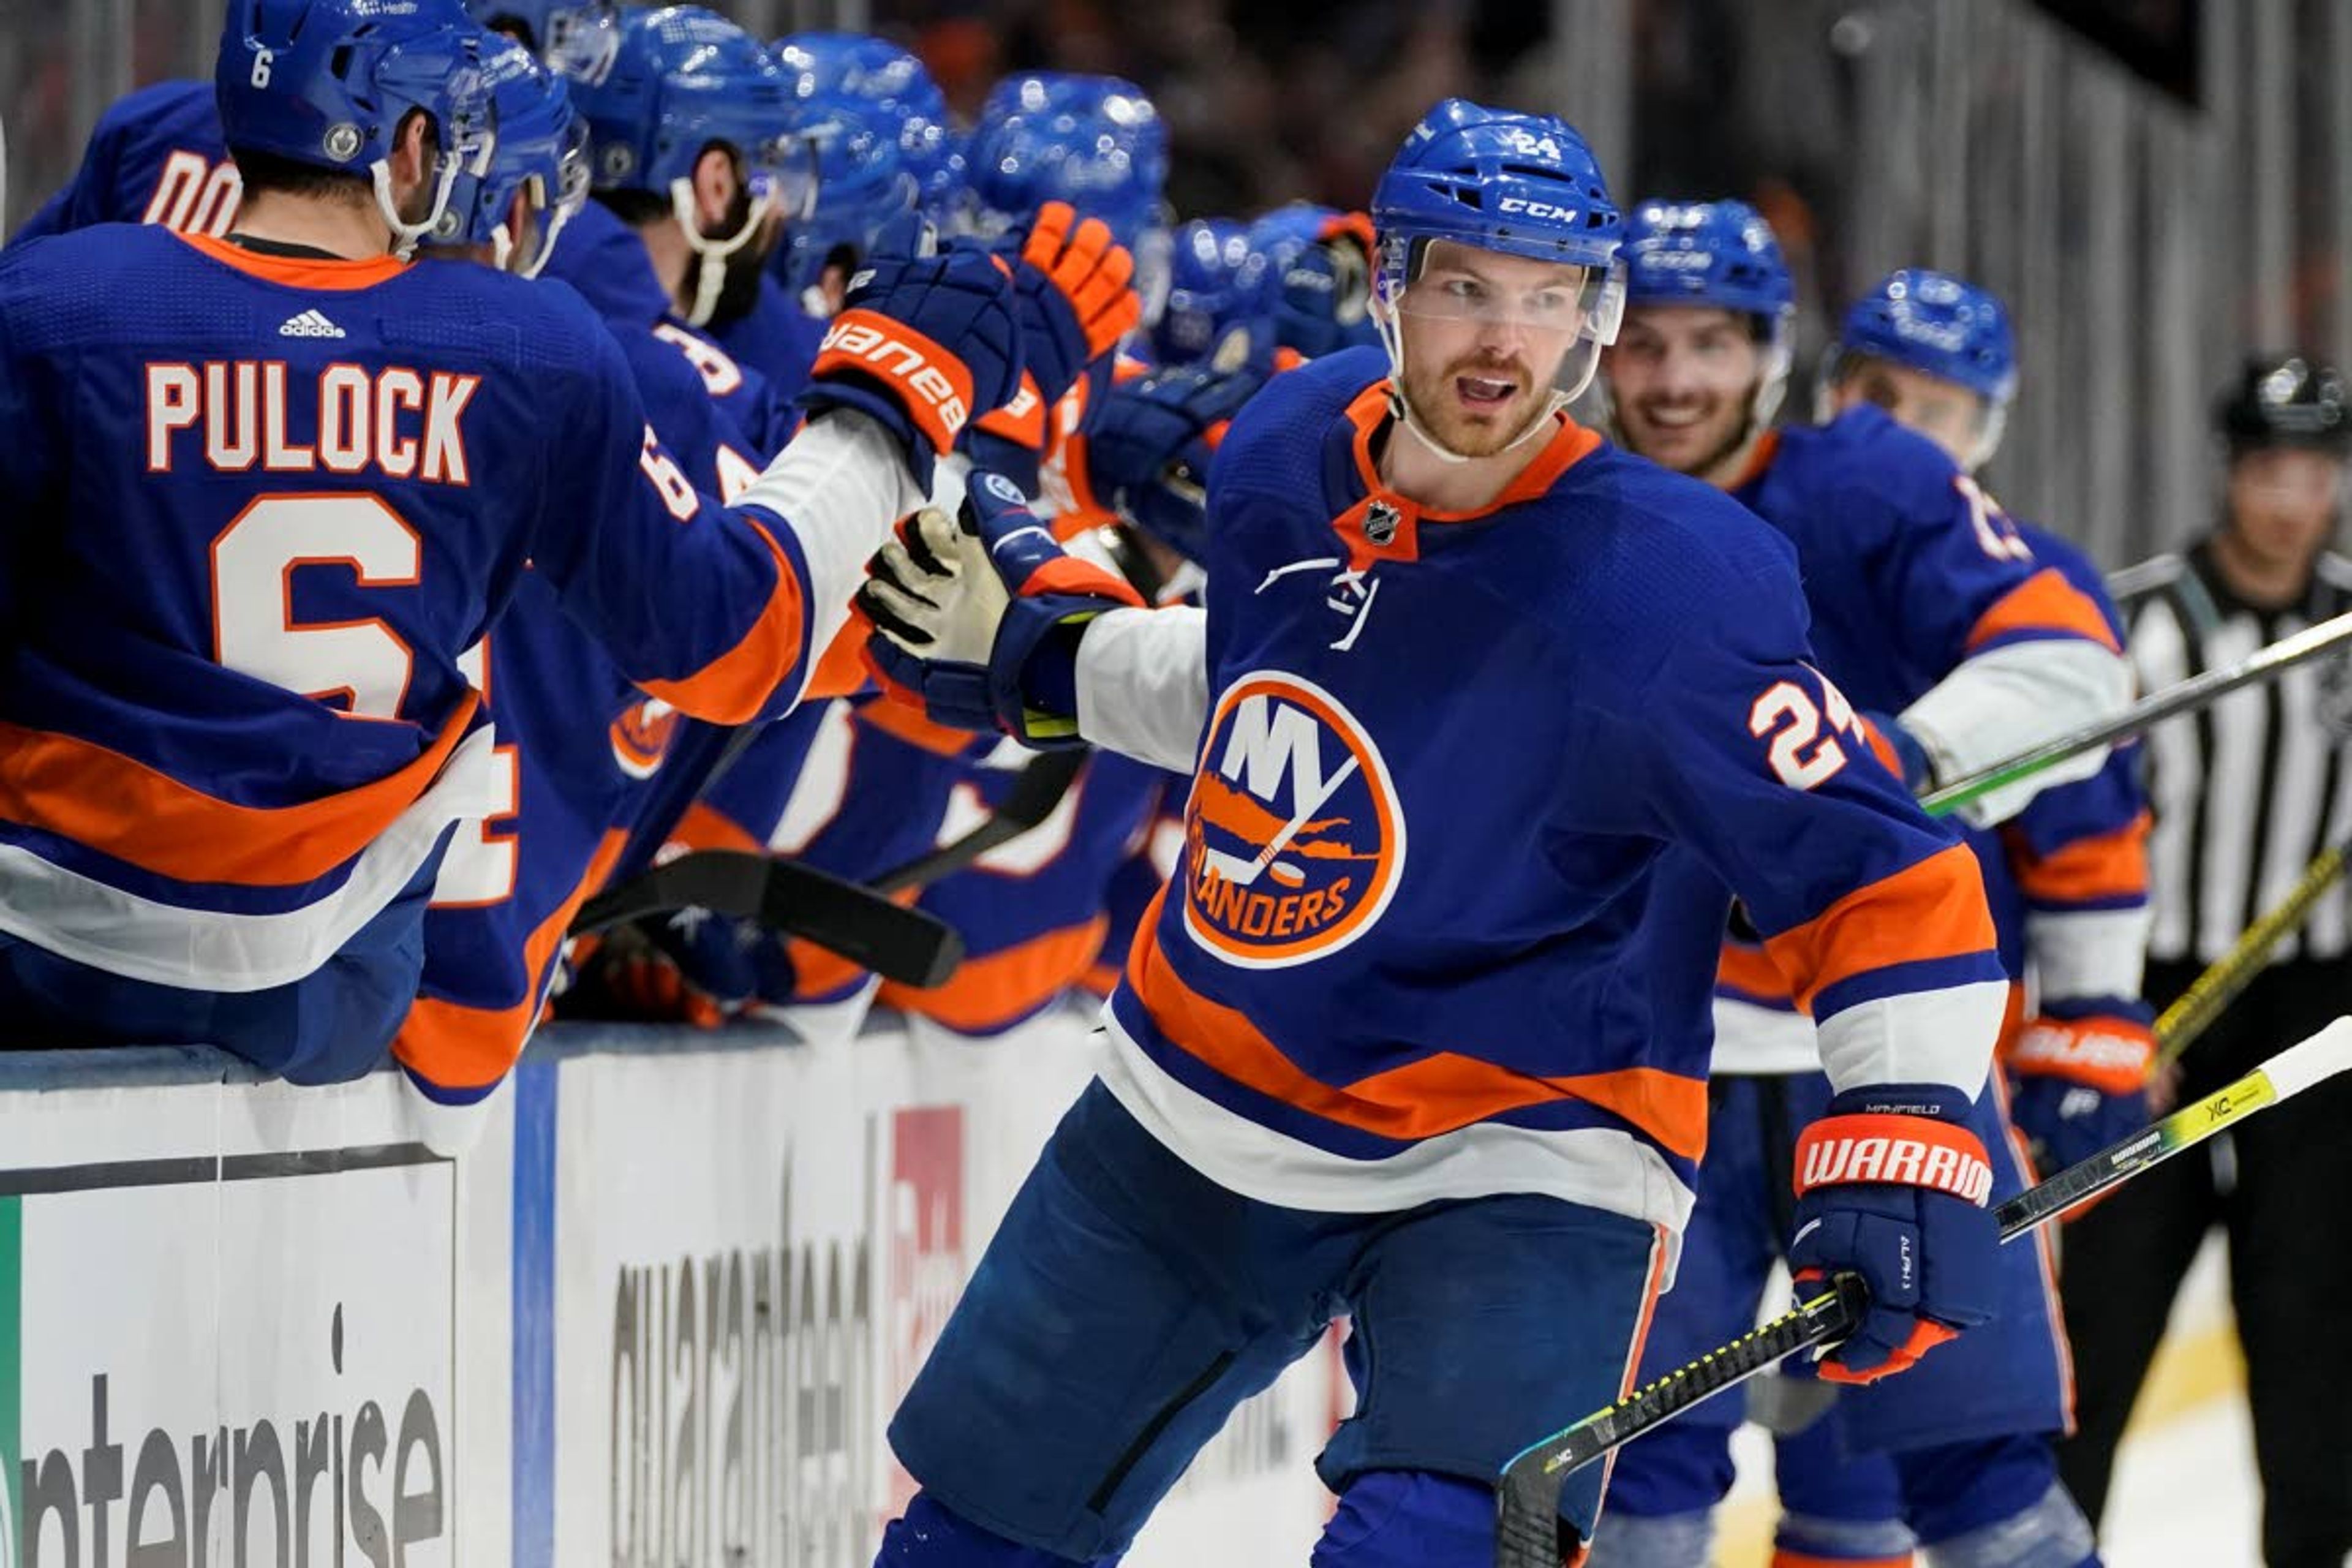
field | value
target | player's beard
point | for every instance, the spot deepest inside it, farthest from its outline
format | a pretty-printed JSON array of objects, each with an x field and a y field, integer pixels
[
  {"x": 1481, "y": 433},
  {"x": 738, "y": 290},
  {"x": 1711, "y": 453}
]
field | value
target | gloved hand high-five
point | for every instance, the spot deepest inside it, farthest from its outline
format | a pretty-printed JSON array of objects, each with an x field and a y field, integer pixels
[
  {"x": 1072, "y": 293},
  {"x": 1148, "y": 452},
  {"x": 1892, "y": 1185},
  {"x": 2081, "y": 1068},
  {"x": 922, "y": 344},
  {"x": 977, "y": 619}
]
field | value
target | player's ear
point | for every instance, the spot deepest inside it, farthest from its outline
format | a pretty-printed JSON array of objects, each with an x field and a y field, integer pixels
[
  {"x": 410, "y": 164},
  {"x": 714, "y": 188}
]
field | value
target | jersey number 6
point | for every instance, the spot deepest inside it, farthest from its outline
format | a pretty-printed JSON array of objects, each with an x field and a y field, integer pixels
[{"x": 361, "y": 662}]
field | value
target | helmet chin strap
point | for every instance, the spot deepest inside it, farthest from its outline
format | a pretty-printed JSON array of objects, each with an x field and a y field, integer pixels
[
  {"x": 404, "y": 236},
  {"x": 711, "y": 268}
]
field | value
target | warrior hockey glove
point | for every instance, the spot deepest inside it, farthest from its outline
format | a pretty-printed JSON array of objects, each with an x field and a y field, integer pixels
[
  {"x": 2081, "y": 1070},
  {"x": 1148, "y": 455},
  {"x": 1892, "y": 1185},
  {"x": 977, "y": 621},
  {"x": 921, "y": 344}
]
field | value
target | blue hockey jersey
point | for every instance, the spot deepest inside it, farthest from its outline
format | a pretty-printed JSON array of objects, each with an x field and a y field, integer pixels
[
  {"x": 234, "y": 721},
  {"x": 1469, "y": 794},
  {"x": 155, "y": 157}
]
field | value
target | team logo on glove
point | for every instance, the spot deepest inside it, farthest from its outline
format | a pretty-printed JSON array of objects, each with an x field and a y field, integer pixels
[{"x": 1294, "y": 840}]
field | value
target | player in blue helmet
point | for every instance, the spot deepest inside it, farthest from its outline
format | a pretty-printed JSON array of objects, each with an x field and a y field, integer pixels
[
  {"x": 512, "y": 206},
  {"x": 894, "y": 83},
  {"x": 1934, "y": 352},
  {"x": 1960, "y": 648},
  {"x": 1717, "y": 257},
  {"x": 367, "y": 88},
  {"x": 867, "y": 200},
  {"x": 576, "y": 36},
  {"x": 1313, "y": 271},
  {"x": 1320, "y": 1090},
  {"x": 689, "y": 148},
  {"x": 1095, "y": 141},
  {"x": 1212, "y": 288}
]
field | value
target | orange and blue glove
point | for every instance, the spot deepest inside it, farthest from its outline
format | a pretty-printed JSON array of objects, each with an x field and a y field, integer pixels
[
  {"x": 2081, "y": 1068},
  {"x": 1892, "y": 1186}
]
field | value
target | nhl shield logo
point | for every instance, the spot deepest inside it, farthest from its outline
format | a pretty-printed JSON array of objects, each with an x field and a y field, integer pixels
[{"x": 1381, "y": 520}]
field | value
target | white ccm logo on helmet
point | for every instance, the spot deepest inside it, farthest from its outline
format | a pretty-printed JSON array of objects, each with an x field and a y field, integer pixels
[
  {"x": 902, "y": 363},
  {"x": 1548, "y": 211}
]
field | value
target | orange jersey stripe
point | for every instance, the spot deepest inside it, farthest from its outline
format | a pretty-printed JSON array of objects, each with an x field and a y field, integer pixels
[
  {"x": 97, "y": 797},
  {"x": 456, "y": 1047},
  {"x": 704, "y": 828},
  {"x": 330, "y": 274},
  {"x": 1748, "y": 969},
  {"x": 841, "y": 668},
  {"x": 1439, "y": 1093},
  {"x": 1932, "y": 909},
  {"x": 2044, "y": 602},
  {"x": 905, "y": 722},
  {"x": 2110, "y": 865},
  {"x": 734, "y": 686},
  {"x": 988, "y": 993}
]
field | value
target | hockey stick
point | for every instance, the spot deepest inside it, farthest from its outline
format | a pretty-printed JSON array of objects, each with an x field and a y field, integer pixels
[
  {"x": 1528, "y": 1526},
  {"x": 893, "y": 941},
  {"x": 2183, "y": 696},
  {"x": 2194, "y": 1010},
  {"x": 1043, "y": 781}
]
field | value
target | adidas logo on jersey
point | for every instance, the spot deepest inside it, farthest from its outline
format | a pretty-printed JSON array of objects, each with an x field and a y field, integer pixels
[{"x": 310, "y": 324}]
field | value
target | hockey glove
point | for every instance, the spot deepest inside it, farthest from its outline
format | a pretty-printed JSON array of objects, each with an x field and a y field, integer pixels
[
  {"x": 686, "y": 967},
  {"x": 1322, "y": 301},
  {"x": 921, "y": 343},
  {"x": 1072, "y": 295},
  {"x": 977, "y": 619},
  {"x": 2081, "y": 1070},
  {"x": 1900, "y": 750},
  {"x": 1148, "y": 455},
  {"x": 1892, "y": 1185}
]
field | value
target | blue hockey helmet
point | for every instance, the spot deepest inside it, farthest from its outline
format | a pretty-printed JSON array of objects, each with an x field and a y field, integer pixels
[
  {"x": 1312, "y": 269},
  {"x": 1719, "y": 254},
  {"x": 1938, "y": 324},
  {"x": 1212, "y": 288},
  {"x": 1941, "y": 326},
  {"x": 541, "y": 155},
  {"x": 896, "y": 88},
  {"x": 867, "y": 199},
  {"x": 680, "y": 79},
  {"x": 327, "y": 83},
  {"x": 1095, "y": 141},
  {"x": 1518, "y": 185},
  {"x": 576, "y": 36}
]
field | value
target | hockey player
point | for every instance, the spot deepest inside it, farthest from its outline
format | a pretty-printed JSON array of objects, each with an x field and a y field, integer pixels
[
  {"x": 1486, "y": 714},
  {"x": 1314, "y": 269},
  {"x": 1932, "y": 614},
  {"x": 1211, "y": 284},
  {"x": 234, "y": 735},
  {"x": 895, "y": 86},
  {"x": 156, "y": 154},
  {"x": 867, "y": 201}
]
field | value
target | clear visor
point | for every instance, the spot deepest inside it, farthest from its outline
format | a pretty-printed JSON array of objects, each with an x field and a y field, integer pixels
[
  {"x": 781, "y": 173},
  {"x": 583, "y": 43},
  {"x": 550, "y": 200},
  {"x": 1510, "y": 309}
]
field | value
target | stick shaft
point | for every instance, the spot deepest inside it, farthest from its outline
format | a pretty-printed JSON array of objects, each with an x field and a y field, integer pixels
[
  {"x": 2193, "y": 1012},
  {"x": 2185, "y": 697}
]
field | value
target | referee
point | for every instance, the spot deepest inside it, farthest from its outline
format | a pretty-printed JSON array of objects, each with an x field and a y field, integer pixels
[{"x": 2245, "y": 795}]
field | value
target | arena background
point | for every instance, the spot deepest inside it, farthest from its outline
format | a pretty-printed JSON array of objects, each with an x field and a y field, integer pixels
[{"x": 2156, "y": 187}]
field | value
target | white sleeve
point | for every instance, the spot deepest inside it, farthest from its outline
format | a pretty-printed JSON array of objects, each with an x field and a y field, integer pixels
[
  {"x": 1143, "y": 684},
  {"x": 2082, "y": 954},
  {"x": 838, "y": 486},
  {"x": 2010, "y": 699}
]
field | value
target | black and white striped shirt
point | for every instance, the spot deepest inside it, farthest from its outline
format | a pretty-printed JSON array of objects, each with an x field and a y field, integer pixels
[{"x": 2247, "y": 792}]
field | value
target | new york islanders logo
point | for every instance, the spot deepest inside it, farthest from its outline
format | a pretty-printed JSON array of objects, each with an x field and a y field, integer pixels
[
  {"x": 1294, "y": 840},
  {"x": 641, "y": 737}
]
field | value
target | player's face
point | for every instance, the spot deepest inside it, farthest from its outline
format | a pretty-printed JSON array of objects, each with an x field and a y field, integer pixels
[
  {"x": 2282, "y": 502},
  {"x": 1945, "y": 412},
  {"x": 1485, "y": 335},
  {"x": 1682, "y": 378}
]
